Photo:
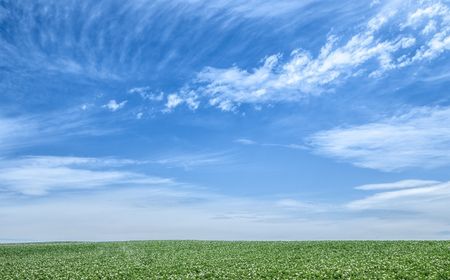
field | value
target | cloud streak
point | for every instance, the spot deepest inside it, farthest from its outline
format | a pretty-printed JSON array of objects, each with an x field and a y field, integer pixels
[
  {"x": 13, "y": 132},
  {"x": 419, "y": 138},
  {"x": 405, "y": 184},
  {"x": 189, "y": 161},
  {"x": 37, "y": 176},
  {"x": 249, "y": 142},
  {"x": 430, "y": 199},
  {"x": 24, "y": 131}
]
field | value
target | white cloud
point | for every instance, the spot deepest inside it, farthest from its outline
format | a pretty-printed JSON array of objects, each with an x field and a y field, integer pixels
[
  {"x": 31, "y": 130},
  {"x": 245, "y": 8},
  {"x": 369, "y": 52},
  {"x": 41, "y": 175},
  {"x": 296, "y": 205},
  {"x": 374, "y": 3},
  {"x": 19, "y": 132},
  {"x": 287, "y": 146},
  {"x": 174, "y": 100},
  {"x": 433, "y": 21},
  {"x": 245, "y": 141},
  {"x": 404, "y": 184},
  {"x": 88, "y": 57},
  {"x": 146, "y": 93},
  {"x": 192, "y": 102},
  {"x": 14, "y": 132},
  {"x": 419, "y": 138},
  {"x": 429, "y": 200},
  {"x": 113, "y": 106},
  {"x": 41, "y": 180},
  {"x": 189, "y": 161},
  {"x": 56, "y": 161}
]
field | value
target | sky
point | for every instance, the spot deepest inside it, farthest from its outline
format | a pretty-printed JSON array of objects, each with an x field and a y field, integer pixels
[{"x": 224, "y": 120}]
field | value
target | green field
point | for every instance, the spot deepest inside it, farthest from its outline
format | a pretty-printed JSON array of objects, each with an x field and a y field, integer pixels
[{"x": 227, "y": 260}]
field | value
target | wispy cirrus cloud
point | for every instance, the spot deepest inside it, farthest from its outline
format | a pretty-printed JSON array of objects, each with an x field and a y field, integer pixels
[
  {"x": 14, "y": 132},
  {"x": 43, "y": 175},
  {"x": 419, "y": 138},
  {"x": 93, "y": 49},
  {"x": 37, "y": 176},
  {"x": 418, "y": 31},
  {"x": 404, "y": 184},
  {"x": 189, "y": 161},
  {"x": 30, "y": 130},
  {"x": 428, "y": 199},
  {"x": 248, "y": 142},
  {"x": 245, "y": 141},
  {"x": 249, "y": 9}
]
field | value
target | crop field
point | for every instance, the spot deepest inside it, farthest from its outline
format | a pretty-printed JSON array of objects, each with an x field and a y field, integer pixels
[{"x": 227, "y": 260}]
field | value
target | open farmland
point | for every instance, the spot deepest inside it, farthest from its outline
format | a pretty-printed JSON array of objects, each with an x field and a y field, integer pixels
[{"x": 227, "y": 260}]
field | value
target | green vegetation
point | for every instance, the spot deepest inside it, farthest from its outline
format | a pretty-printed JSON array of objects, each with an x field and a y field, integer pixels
[{"x": 227, "y": 260}]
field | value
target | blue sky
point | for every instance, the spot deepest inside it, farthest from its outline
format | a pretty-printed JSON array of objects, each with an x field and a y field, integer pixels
[{"x": 195, "y": 119}]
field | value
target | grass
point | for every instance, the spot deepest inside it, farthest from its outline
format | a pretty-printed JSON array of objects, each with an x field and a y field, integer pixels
[{"x": 227, "y": 260}]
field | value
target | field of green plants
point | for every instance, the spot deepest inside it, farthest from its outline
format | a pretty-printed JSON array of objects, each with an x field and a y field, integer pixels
[{"x": 227, "y": 260}]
